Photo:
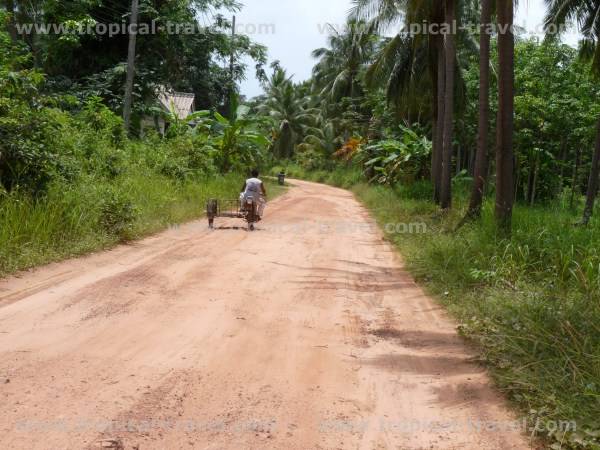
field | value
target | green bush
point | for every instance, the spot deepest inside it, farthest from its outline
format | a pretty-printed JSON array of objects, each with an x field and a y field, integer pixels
[
  {"x": 392, "y": 161},
  {"x": 117, "y": 214}
]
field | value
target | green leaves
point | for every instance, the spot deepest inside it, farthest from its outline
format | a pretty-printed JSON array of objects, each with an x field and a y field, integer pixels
[
  {"x": 336, "y": 75},
  {"x": 197, "y": 116},
  {"x": 289, "y": 111},
  {"x": 222, "y": 120},
  {"x": 237, "y": 142},
  {"x": 395, "y": 160},
  {"x": 257, "y": 139},
  {"x": 553, "y": 101}
]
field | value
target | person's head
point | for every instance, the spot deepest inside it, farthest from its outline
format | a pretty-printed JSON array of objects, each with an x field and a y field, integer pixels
[{"x": 255, "y": 173}]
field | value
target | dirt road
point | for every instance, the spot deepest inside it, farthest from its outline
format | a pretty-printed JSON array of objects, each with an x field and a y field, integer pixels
[{"x": 306, "y": 334}]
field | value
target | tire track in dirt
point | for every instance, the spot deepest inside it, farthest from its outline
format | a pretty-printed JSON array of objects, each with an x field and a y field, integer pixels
[{"x": 291, "y": 337}]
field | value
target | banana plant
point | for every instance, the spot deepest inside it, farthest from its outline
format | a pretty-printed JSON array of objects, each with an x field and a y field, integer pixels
[
  {"x": 390, "y": 160},
  {"x": 237, "y": 140}
]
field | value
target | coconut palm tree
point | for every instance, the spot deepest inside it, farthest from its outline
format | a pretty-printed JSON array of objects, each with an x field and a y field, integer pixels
[
  {"x": 505, "y": 185},
  {"x": 481, "y": 157},
  {"x": 336, "y": 75},
  {"x": 402, "y": 68},
  {"x": 322, "y": 139},
  {"x": 448, "y": 116},
  {"x": 412, "y": 64},
  {"x": 290, "y": 111},
  {"x": 454, "y": 12},
  {"x": 404, "y": 61},
  {"x": 585, "y": 14}
]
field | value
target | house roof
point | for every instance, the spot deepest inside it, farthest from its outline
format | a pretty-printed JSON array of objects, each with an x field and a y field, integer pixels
[{"x": 182, "y": 102}]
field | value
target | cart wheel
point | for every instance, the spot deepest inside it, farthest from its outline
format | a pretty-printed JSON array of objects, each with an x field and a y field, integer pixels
[
  {"x": 212, "y": 208},
  {"x": 251, "y": 227}
]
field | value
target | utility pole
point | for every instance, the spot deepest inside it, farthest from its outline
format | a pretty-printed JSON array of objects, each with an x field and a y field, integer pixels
[
  {"x": 232, "y": 57},
  {"x": 232, "y": 71},
  {"x": 133, "y": 23}
]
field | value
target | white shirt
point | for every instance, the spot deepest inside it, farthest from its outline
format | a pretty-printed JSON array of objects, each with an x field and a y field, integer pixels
[{"x": 253, "y": 186}]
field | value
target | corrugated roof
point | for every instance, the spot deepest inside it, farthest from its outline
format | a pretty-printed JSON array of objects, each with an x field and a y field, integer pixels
[{"x": 182, "y": 102}]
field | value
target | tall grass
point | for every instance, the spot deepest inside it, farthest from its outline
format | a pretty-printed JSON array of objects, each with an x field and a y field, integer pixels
[
  {"x": 71, "y": 219},
  {"x": 532, "y": 303}
]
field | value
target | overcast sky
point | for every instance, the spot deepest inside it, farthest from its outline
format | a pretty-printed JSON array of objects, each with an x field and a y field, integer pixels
[{"x": 291, "y": 29}]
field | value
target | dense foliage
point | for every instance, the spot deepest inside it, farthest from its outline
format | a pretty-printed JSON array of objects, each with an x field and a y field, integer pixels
[
  {"x": 557, "y": 102},
  {"x": 556, "y": 108},
  {"x": 175, "y": 49},
  {"x": 72, "y": 180}
]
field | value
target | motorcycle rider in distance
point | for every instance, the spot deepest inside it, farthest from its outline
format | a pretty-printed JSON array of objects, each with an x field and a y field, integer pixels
[{"x": 255, "y": 188}]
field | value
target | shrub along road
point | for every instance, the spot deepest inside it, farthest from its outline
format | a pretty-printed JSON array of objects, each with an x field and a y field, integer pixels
[{"x": 305, "y": 334}]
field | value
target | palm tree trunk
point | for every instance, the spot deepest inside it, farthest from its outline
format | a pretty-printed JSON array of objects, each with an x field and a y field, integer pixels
[
  {"x": 438, "y": 141},
  {"x": 528, "y": 191},
  {"x": 450, "y": 63},
  {"x": 536, "y": 171},
  {"x": 505, "y": 128},
  {"x": 481, "y": 158},
  {"x": 563, "y": 160},
  {"x": 592, "y": 191}
]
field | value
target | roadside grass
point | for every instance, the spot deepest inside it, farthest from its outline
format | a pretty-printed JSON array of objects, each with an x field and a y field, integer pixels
[
  {"x": 75, "y": 219},
  {"x": 531, "y": 303}
]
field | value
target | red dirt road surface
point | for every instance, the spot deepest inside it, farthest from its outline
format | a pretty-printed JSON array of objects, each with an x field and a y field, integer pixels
[{"x": 306, "y": 334}]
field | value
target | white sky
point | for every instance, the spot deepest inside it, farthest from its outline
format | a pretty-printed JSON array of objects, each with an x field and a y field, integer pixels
[{"x": 295, "y": 27}]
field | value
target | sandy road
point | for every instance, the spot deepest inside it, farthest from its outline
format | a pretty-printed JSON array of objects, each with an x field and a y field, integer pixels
[{"x": 292, "y": 337}]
